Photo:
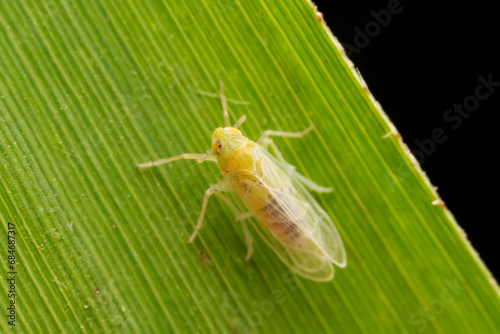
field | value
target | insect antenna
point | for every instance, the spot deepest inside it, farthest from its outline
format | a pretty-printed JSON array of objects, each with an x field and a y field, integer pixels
[
  {"x": 189, "y": 166},
  {"x": 200, "y": 159},
  {"x": 240, "y": 121},
  {"x": 204, "y": 156},
  {"x": 224, "y": 104}
]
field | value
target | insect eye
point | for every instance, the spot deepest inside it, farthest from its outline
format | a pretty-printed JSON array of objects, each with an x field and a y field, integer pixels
[{"x": 217, "y": 146}]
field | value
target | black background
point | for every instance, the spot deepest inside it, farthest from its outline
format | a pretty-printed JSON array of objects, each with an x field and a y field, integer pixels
[{"x": 424, "y": 61}]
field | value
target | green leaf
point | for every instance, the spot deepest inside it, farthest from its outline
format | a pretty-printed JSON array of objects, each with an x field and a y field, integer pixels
[{"x": 91, "y": 88}]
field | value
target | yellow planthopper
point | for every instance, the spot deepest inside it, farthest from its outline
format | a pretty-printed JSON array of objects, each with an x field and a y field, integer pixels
[{"x": 268, "y": 192}]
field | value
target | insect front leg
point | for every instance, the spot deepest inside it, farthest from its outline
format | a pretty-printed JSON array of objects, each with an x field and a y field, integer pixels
[
  {"x": 268, "y": 133},
  {"x": 188, "y": 156}
]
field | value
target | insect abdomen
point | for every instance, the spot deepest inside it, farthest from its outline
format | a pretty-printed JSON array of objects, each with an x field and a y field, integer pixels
[
  {"x": 276, "y": 218},
  {"x": 269, "y": 202}
]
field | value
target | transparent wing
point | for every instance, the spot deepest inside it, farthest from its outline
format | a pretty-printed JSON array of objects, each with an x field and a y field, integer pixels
[
  {"x": 312, "y": 220},
  {"x": 303, "y": 261},
  {"x": 295, "y": 226}
]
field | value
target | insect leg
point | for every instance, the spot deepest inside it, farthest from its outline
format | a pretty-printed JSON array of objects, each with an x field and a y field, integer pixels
[
  {"x": 268, "y": 133},
  {"x": 223, "y": 100},
  {"x": 308, "y": 183},
  {"x": 241, "y": 217},
  {"x": 248, "y": 241},
  {"x": 228, "y": 203},
  {"x": 268, "y": 141},
  {"x": 311, "y": 184},
  {"x": 190, "y": 156},
  {"x": 244, "y": 216},
  {"x": 213, "y": 189}
]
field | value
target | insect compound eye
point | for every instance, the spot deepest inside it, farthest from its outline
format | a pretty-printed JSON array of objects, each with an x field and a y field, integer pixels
[{"x": 217, "y": 146}]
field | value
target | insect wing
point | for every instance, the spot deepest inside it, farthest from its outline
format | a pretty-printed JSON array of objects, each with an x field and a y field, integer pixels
[
  {"x": 320, "y": 243},
  {"x": 300, "y": 260},
  {"x": 312, "y": 220}
]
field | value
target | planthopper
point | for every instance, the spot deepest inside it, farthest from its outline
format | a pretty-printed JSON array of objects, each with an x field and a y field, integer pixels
[{"x": 269, "y": 193}]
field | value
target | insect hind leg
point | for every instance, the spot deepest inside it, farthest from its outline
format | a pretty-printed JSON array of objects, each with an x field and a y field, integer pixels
[
  {"x": 248, "y": 241},
  {"x": 241, "y": 217}
]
